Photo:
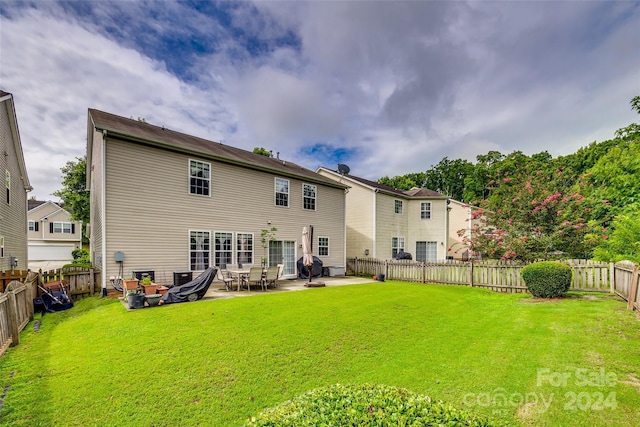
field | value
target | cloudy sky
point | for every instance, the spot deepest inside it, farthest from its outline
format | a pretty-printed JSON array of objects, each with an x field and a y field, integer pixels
[{"x": 385, "y": 87}]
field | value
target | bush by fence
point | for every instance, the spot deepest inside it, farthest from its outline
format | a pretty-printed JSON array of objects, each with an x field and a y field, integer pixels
[{"x": 503, "y": 276}]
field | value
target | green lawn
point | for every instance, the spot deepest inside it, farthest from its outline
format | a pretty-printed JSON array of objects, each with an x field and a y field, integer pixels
[{"x": 214, "y": 363}]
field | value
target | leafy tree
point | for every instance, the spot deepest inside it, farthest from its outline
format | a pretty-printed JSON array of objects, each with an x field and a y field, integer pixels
[
  {"x": 74, "y": 194},
  {"x": 262, "y": 151},
  {"x": 624, "y": 242}
]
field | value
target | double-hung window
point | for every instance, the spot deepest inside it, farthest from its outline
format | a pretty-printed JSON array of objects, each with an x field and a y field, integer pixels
[
  {"x": 425, "y": 210},
  {"x": 398, "y": 207},
  {"x": 199, "y": 250},
  {"x": 33, "y": 226},
  {"x": 397, "y": 245},
  {"x": 1, "y": 246},
  {"x": 282, "y": 192},
  {"x": 62, "y": 227},
  {"x": 199, "y": 178},
  {"x": 323, "y": 246},
  {"x": 244, "y": 248},
  {"x": 309, "y": 192},
  {"x": 223, "y": 248}
]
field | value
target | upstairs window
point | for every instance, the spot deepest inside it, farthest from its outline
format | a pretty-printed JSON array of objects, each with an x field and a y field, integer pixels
[
  {"x": 282, "y": 192},
  {"x": 323, "y": 246},
  {"x": 425, "y": 210},
  {"x": 1, "y": 246},
  {"x": 33, "y": 226},
  {"x": 199, "y": 247},
  {"x": 309, "y": 197},
  {"x": 397, "y": 245},
  {"x": 398, "y": 207},
  {"x": 62, "y": 227},
  {"x": 200, "y": 177}
]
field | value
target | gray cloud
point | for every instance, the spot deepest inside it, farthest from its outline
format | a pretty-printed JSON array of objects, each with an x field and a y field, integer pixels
[{"x": 392, "y": 86}]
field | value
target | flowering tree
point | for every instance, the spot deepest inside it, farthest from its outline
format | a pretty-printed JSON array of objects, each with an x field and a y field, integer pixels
[{"x": 526, "y": 220}]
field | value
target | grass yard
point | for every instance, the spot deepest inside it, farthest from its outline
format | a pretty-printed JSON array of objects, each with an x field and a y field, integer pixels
[{"x": 569, "y": 362}]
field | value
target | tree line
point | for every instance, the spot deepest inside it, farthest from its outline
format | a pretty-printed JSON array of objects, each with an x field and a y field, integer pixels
[{"x": 582, "y": 205}]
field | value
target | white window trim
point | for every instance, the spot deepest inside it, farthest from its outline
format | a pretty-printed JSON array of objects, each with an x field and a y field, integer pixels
[
  {"x": 1, "y": 246},
  {"x": 430, "y": 210},
  {"x": 253, "y": 245},
  {"x": 315, "y": 197},
  {"x": 189, "y": 180},
  {"x": 31, "y": 225},
  {"x": 399, "y": 247},
  {"x": 62, "y": 224},
  {"x": 395, "y": 204},
  {"x": 213, "y": 246},
  {"x": 189, "y": 246},
  {"x": 275, "y": 192},
  {"x": 328, "y": 245}
]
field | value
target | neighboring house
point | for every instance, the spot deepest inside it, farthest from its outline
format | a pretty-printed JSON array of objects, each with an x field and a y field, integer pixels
[
  {"x": 167, "y": 202},
  {"x": 52, "y": 235},
  {"x": 382, "y": 220},
  {"x": 13, "y": 201},
  {"x": 460, "y": 225}
]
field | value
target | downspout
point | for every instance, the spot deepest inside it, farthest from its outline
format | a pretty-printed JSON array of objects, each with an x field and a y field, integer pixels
[
  {"x": 103, "y": 201},
  {"x": 375, "y": 236},
  {"x": 344, "y": 226},
  {"x": 446, "y": 228}
]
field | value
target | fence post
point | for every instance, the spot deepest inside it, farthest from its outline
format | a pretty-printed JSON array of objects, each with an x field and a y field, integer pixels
[
  {"x": 634, "y": 289},
  {"x": 612, "y": 278},
  {"x": 471, "y": 273},
  {"x": 386, "y": 269}
]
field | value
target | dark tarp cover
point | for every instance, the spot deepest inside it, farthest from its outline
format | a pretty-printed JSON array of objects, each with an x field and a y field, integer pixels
[
  {"x": 198, "y": 286},
  {"x": 47, "y": 302},
  {"x": 316, "y": 268}
]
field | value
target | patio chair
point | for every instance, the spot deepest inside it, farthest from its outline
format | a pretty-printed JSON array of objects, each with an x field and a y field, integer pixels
[
  {"x": 272, "y": 276},
  {"x": 228, "y": 280},
  {"x": 255, "y": 277}
]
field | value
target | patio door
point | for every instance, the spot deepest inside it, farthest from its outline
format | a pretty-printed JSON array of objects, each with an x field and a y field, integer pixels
[
  {"x": 283, "y": 252},
  {"x": 426, "y": 251}
]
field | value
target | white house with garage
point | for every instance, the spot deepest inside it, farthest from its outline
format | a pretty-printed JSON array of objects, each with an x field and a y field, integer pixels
[{"x": 51, "y": 235}]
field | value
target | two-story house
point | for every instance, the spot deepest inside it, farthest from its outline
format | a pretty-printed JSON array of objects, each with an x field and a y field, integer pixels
[
  {"x": 52, "y": 235},
  {"x": 382, "y": 220},
  {"x": 167, "y": 202},
  {"x": 13, "y": 201}
]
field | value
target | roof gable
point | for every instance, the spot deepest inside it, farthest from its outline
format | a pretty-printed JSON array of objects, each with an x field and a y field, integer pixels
[
  {"x": 160, "y": 137},
  {"x": 414, "y": 193}
]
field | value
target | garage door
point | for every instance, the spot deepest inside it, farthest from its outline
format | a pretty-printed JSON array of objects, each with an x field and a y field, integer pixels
[{"x": 57, "y": 252}]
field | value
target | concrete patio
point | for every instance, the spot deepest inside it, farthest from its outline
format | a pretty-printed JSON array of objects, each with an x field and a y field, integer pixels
[{"x": 217, "y": 289}]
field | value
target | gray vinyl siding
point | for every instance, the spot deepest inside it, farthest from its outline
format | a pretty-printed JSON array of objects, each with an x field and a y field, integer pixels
[
  {"x": 427, "y": 230},
  {"x": 149, "y": 211},
  {"x": 96, "y": 187},
  {"x": 360, "y": 227},
  {"x": 13, "y": 226}
]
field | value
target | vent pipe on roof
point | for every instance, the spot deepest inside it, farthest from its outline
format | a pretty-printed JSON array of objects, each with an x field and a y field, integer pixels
[{"x": 278, "y": 155}]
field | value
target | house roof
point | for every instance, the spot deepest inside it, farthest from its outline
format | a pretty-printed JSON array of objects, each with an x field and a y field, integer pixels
[
  {"x": 160, "y": 137},
  {"x": 32, "y": 204},
  {"x": 414, "y": 193},
  {"x": 13, "y": 123}
]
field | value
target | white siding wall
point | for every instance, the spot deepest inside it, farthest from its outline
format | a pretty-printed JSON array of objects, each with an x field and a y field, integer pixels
[
  {"x": 428, "y": 230},
  {"x": 390, "y": 224},
  {"x": 149, "y": 210}
]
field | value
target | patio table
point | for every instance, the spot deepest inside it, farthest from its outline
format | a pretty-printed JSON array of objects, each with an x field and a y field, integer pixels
[{"x": 239, "y": 274}]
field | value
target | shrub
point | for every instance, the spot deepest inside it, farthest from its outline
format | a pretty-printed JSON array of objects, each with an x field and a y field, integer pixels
[
  {"x": 363, "y": 405},
  {"x": 547, "y": 279}
]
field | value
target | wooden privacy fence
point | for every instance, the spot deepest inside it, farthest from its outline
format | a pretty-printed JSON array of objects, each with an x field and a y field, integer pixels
[
  {"x": 16, "y": 311},
  {"x": 81, "y": 281},
  {"x": 18, "y": 288},
  {"x": 503, "y": 276}
]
